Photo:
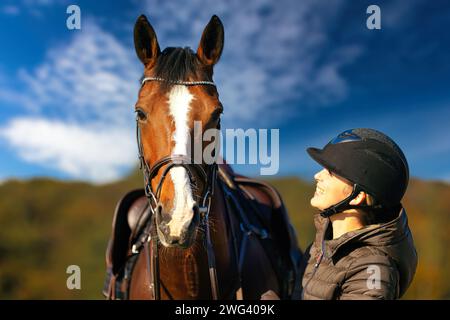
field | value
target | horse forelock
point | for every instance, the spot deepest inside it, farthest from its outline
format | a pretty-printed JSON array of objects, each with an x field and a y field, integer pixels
[{"x": 179, "y": 64}]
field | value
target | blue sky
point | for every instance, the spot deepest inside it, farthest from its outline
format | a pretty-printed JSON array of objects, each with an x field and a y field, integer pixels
[{"x": 309, "y": 68}]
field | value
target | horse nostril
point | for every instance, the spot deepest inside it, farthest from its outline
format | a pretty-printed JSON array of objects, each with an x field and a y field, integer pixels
[
  {"x": 174, "y": 239},
  {"x": 162, "y": 216},
  {"x": 164, "y": 228},
  {"x": 166, "y": 218}
]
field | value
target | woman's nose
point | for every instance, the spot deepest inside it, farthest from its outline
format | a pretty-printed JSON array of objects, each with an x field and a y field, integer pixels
[{"x": 319, "y": 175}]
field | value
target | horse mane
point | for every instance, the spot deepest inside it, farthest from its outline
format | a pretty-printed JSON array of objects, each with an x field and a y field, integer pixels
[{"x": 178, "y": 64}]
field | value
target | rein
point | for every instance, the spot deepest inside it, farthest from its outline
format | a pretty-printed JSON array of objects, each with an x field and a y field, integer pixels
[{"x": 204, "y": 207}]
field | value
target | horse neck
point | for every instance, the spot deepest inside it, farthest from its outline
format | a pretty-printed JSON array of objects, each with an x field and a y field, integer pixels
[{"x": 191, "y": 267}]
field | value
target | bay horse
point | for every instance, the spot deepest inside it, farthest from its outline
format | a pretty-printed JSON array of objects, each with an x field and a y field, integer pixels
[{"x": 197, "y": 230}]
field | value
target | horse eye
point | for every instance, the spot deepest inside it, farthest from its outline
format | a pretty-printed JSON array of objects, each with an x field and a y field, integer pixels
[{"x": 140, "y": 115}]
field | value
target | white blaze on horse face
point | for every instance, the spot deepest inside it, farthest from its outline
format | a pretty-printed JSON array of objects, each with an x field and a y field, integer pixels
[{"x": 182, "y": 212}]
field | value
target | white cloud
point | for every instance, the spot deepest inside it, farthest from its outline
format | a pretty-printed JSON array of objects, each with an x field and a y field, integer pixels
[
  {"x": 274, "y": 52},
  {"x": 95, "y": 152},
  {"x": 10, "y": 10},
  {"x": 36, "y": 8},
  {"x": 17, "y": 98},
  {"x": 87, "y": 87},
  {"x": 94, "y": 77}
]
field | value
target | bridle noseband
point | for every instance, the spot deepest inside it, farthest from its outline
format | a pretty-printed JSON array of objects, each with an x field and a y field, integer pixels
[{"x": 177, "y": 160}]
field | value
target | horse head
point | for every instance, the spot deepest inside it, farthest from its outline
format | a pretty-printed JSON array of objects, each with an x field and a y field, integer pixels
[{"x": 177, "y": 92}]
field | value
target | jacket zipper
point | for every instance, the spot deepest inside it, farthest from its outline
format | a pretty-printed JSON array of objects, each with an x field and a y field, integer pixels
[
  {"x": 316, "y": 266},
  {"x": 318, "y": 259}
]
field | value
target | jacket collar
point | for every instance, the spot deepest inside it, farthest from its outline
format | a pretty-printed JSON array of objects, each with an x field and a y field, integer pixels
[{"x": 382, "y": 232}]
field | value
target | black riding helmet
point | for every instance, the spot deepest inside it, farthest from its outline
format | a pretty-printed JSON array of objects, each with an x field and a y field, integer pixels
[{"x": 370, "y": 160}]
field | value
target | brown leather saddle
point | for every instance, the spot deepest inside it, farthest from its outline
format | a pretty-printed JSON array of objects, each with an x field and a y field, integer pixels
[{"x": 244, "y": 197}]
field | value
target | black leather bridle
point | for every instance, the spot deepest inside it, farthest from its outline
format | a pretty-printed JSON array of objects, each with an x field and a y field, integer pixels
[{"x": 208, "y": 177}]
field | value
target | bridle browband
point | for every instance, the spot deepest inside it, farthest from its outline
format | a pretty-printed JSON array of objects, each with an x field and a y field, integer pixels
[
  {"x": 176, "y": 160},
  {"x": 179, "y": 82}
]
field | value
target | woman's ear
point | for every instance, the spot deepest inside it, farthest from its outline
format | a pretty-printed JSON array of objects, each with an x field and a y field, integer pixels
[{"x": 360, "y": 198}]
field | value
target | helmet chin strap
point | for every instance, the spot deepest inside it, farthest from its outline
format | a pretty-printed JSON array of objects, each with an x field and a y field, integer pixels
[{"x": 344, "y": 204}]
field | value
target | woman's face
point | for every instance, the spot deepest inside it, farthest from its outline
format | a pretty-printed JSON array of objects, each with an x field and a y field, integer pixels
[{"x": 330, "y": 189}]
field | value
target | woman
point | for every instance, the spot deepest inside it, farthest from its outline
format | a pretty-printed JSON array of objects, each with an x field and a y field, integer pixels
[{"x": 363, "y": 247}]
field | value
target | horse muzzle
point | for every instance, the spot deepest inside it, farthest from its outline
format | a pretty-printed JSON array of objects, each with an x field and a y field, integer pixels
[{"x": 182, "y": 239}]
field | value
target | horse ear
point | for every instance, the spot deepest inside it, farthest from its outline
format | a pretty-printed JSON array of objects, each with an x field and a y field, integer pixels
[
  {"x": 145, "y": 41},
  {"x": 211, "y": 44}
]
